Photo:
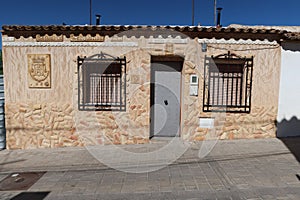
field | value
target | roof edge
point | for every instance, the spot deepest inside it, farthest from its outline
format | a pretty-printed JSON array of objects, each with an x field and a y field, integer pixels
[{"x": 110, "y": 30}]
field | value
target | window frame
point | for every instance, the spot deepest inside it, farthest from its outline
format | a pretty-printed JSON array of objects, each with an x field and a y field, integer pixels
[
  {"x": 93, "y": 69},
  {"x": 242, "y": 71}
]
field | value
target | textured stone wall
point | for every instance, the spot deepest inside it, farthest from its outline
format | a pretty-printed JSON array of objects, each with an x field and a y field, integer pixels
[
  {"x": 260, "y": 122},
  {"x": 40, "y": 125},
  {"x": 131, "y": 126}
]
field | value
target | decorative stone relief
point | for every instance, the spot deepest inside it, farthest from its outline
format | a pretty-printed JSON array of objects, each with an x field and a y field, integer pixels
[
  {"x": 39, "y": 71},
  {"x": 49, "y": 38},
  {"x": 87, "y": 38}
]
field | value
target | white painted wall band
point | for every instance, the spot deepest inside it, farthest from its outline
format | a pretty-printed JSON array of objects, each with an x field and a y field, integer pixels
[
  {"x": 133, "y": 44},
  {"x": 239, "y": 42},
  {"x": 164, "y": 41}
]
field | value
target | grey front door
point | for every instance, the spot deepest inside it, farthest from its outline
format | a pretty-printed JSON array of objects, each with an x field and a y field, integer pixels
[{"x": 165, "y": 99}]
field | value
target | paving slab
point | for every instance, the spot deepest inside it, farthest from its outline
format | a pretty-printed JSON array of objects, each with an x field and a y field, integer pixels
[{"x": 240, "y": 169}]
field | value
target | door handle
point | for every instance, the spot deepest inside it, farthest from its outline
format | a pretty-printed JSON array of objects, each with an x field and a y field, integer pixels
[{"x": 166, "y": 102}]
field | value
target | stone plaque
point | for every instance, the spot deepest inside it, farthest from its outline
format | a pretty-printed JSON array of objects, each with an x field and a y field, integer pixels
[
  {"x": 87, "y": 38},
  {"x": 39, "y": 71},
  {"x": 49, "y": 38}
]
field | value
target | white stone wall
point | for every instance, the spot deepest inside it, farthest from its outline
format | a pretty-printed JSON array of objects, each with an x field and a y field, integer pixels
[{"x": 288, "y": 119}]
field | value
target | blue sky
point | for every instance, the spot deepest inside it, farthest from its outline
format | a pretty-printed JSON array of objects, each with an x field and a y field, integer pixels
[
  {"x": 145, "y": 12},
  {"x": 267, "y": 12}
]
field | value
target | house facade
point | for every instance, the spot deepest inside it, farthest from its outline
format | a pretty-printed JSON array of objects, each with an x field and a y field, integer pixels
[{"x": 90, "y": 85}]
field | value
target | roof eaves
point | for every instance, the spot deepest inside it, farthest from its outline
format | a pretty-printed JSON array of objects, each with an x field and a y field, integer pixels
[{"x": 194, "y": 31}]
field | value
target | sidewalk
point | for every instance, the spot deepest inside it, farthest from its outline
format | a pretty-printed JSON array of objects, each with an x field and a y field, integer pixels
[
  {"x": 81, "y": 158},
  {"x": 236, "y": 169}
]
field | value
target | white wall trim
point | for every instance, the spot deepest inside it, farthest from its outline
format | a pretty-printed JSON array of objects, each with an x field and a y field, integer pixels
[
  {"x": 8, "y": 39},
  {"x": 164, "y": 41},
  {"x": 69, "y": 44},
  {"x": 134, "y": 44},
  {"x": 239, "y": 42}
]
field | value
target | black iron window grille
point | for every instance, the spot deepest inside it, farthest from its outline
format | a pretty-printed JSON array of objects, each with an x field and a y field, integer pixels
[
  {"x": 227, "y": 83},
  {"x": 102, "y": 83}
]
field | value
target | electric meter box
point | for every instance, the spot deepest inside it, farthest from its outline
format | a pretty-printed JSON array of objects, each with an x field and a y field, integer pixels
[{"x": 194, "y": 85}]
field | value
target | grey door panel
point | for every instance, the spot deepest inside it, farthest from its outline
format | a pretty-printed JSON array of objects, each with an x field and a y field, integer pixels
[{"x": 165, "y": 100}]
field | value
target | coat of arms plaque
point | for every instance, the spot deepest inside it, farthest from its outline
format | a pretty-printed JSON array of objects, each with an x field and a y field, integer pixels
[{"x": 39, "y": 71}]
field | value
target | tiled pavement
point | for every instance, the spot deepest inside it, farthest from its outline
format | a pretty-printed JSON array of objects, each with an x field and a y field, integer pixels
[{"x": 240, "y": 169}]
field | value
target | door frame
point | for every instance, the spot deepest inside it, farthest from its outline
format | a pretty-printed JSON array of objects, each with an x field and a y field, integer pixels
[{"x": 154, "y": 59}]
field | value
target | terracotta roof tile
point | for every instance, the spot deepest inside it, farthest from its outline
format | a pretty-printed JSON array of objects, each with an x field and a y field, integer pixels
[
  {"x": 9, "y": 28},
  {"x": 292, "y": 36}
]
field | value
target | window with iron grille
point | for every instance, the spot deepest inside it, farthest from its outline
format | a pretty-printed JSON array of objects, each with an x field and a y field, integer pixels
[
  {"x": 102, "y": 83},
  {"x": 227, "y": 83}
]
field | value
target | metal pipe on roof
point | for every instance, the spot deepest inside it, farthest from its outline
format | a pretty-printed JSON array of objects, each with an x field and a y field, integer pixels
[
  {"x": 90, "y": 12},
  {"x": 219, "y": 17},
  {"x": 193, "y": 12},
  {"x": 98, "y": 19},
  {"x": 215, "y": 12}
]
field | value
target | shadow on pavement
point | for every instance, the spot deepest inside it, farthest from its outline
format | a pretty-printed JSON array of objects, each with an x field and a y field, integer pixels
[
  {"x": 31, "y": 196},
  {"x": 293, "y": 144},
  {"x": 288, "y": 131},
  {"x": 288, "y": 128}
]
